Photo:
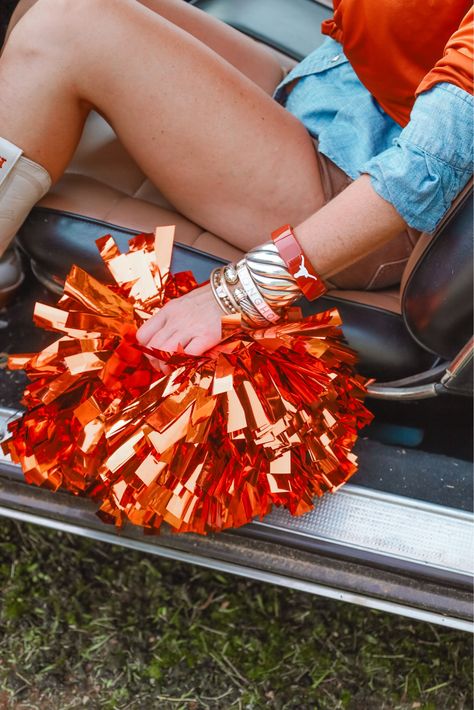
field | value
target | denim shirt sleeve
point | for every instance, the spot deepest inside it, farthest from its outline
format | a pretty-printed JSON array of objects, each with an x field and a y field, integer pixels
[{"x": 431, "y": 160}]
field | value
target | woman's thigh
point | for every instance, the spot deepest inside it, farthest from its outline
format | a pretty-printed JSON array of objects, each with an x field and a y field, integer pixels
[
  {"x": 224, "y": 152},
  {"x": 217, "y": 145},
  {"x": 252, "y": 58},
  {"x": 22, "y": 7}
]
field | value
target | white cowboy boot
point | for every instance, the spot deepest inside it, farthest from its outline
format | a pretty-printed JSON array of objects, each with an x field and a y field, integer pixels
[{"x": 22, "y": 183}]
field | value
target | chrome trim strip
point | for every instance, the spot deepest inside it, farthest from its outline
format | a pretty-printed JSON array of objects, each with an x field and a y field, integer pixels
[
  {"x": 464, "y": 356},
  {"x": 402, "y": 394},
  {"x": 244, "y": 571},
  {"x": 427, "y": 376},
  {"x": 386, "y": 524}
]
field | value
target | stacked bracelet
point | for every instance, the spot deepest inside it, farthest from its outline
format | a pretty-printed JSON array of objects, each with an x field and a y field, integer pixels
[
  {"x": 220, "y": 294},
  {"x": 258, "y": 286},
  {"x": 233, "y": 297},
  {"x": 267, "y": 280},
  {"x": 254, "y": 295}
]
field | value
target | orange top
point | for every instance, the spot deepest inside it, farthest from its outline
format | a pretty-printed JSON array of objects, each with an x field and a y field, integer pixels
[{"x": 399, "y": 48}]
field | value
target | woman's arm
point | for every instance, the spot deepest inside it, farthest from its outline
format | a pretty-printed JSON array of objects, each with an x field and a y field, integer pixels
[
  {"x": 350, "y": 226},
  {"x": 413, "y": 182}
]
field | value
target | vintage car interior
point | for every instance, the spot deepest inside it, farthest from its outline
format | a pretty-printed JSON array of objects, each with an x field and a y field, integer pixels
[{"x": 399, "y": 536}]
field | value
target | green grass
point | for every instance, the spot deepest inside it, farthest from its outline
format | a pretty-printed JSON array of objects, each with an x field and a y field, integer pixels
[{"x": 86, "y": 625}]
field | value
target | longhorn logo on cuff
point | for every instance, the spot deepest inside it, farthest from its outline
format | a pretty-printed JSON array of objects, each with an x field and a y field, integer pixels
[{"x": 299, "y": 266}]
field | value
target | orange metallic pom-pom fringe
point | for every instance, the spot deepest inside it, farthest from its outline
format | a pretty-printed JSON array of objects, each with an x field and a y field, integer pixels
[{"x": 267, "y": 417}]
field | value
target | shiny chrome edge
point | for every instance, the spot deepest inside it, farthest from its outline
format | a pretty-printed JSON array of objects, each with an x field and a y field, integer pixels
[
  {"x": 444, "y": 374},
  {"x": 407, "y": 505},
  {"x": 464, "y": 356},
  {"x": 412, "y": 503},
  {"x": 459, "y": 375},
  {"x": 244, "y": 571},
  {"x": 420, "y": 378},
  {"x": 402, "y": 393}
]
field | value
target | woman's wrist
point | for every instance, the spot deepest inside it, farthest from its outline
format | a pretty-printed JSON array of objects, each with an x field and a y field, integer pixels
[{"x": 267, "y": 280}]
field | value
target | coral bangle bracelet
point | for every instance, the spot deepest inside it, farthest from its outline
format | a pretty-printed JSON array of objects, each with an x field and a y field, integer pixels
[{"x": 299, "y": 266}]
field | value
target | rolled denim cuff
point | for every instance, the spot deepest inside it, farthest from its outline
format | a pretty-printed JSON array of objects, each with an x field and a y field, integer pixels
[{"x": 431, "y": 161}]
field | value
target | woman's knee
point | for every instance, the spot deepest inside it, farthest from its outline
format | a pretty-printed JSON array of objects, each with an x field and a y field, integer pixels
[
  {"x": 49, "y": 30},
  {"x": 20, "y": 10}
]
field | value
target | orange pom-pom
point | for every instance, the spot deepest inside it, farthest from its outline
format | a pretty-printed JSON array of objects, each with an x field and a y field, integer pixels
[{"x": 268, "y": 417}]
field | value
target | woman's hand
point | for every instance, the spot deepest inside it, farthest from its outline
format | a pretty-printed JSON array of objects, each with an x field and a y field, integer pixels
[{"x": 192, "y": 321}]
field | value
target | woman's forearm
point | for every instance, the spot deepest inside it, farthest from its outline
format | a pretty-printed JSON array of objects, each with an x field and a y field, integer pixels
[
  {"x": 347, "y": 228},
  {"x": 350, "y": 226}
]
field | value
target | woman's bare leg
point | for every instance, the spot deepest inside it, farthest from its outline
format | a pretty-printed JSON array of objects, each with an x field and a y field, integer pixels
[
  {"x": 222, "y": 150},
  {"x": 251, "y": 58},
  {"x": 22, "y": 7}
]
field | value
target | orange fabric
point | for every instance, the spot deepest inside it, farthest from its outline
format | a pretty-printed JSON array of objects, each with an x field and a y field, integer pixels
[{"x": 399, "y": 48}]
